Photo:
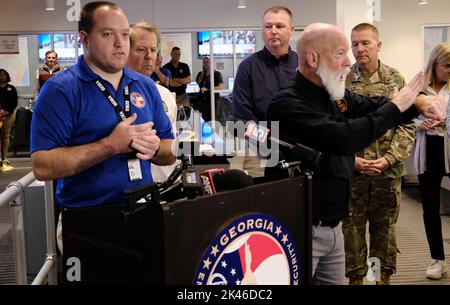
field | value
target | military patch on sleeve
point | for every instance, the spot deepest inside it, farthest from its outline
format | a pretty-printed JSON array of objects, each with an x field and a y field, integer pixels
[{"x": 342, "y": 105}]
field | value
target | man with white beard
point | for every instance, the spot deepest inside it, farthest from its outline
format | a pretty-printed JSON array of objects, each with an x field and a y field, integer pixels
[{"x": 316, "y": 110}]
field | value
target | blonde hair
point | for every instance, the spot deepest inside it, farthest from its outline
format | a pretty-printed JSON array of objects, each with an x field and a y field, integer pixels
[
  {"x": 439, "y": 55},
  {"x": 143, "y": 25}
]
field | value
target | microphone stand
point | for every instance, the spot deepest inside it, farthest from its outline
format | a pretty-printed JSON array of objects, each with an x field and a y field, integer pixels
[
  {"x": 308, "y": 157},
  {"x": 294, "y": 168}
]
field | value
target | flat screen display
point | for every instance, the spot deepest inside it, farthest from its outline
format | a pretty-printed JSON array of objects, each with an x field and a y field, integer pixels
[
  {"x": 63, "y": 43},
  {"x": 223, "y": 43}
]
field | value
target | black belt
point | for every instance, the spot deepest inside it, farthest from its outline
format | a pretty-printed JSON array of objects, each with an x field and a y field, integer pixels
[{"x": 327, "y": 223}]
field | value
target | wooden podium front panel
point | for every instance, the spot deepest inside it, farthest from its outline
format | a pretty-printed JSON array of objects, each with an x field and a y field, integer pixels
[{"x": 191, "y": 225}]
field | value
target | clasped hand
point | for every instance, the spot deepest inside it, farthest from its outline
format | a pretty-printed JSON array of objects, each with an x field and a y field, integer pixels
[
  {"x": 371, "y": 167},
  {"x": 142, "y": 138},
  {"x": 430, "y": 124}
]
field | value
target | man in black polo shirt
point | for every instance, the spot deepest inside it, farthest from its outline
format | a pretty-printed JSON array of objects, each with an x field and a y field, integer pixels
[
  {"x": 181, "y": 76},
  {"x": 261, "y": 75},
  {"x": 316, "y": 110}
]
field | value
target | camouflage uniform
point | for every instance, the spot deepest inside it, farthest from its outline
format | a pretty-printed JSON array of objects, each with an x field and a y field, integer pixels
[{"x": 377, "y": 199}]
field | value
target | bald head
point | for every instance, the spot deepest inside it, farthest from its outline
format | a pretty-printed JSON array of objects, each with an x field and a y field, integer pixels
[
  {"x": 322, "y": 52},
  {"x": 318, "y": 37},
  {"x": 320, "y": 40}
]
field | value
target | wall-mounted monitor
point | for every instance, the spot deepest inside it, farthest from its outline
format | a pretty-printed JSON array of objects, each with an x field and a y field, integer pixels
[
  {"x": 64, "y": 45},
  {"x": 223, "y": 43}
]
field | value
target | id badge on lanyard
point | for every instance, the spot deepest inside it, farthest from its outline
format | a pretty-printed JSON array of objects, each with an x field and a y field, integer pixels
[{"x": 134, "y": 165}]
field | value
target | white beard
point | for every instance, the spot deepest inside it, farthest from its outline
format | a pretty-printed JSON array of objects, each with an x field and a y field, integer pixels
[{"x": 334, "y": 83}]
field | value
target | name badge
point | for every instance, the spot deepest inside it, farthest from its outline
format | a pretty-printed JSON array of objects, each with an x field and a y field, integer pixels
[{"x": 134, "y": 170}]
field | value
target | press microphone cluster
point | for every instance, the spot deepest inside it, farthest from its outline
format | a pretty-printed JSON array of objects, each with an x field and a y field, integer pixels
[
  {"x": 185, "y": 181},
  {"x": 218, "y": 180},
  {"x": 309, "y": 157},
  {"x": 207, "y": 176}
]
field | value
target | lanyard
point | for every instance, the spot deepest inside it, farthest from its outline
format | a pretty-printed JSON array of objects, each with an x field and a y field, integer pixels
[{"x": 122, "y": 114}]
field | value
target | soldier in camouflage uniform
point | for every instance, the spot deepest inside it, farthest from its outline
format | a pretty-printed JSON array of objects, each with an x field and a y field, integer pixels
[{"x": 379, "y": 168}]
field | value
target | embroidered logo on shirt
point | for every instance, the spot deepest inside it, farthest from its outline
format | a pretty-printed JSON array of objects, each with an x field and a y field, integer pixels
[
  {"x": 137, "y": 100},
  {"x": 342, "y": 105}
]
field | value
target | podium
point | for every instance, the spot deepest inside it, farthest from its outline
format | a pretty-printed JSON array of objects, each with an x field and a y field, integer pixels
[{"x": 177, "y": 242}]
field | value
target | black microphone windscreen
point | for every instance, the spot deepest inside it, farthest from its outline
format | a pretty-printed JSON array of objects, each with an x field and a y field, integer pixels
[{"x": 231, "y": 180}]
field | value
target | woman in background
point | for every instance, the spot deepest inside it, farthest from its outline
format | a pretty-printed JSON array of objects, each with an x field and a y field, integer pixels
[
  {"x": 203, "y": 80},
  {"x": 432, "y": 157},
  {"x": 8, "y": 103}
]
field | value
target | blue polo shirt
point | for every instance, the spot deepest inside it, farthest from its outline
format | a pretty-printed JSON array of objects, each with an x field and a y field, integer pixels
[
  {"x": 165, "y": 72},
  {"x": 72, "y": 111},
  {"x": 258, "y": 78}
]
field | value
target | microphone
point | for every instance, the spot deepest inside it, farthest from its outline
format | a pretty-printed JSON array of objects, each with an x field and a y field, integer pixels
[
  {"x": 256, "y": 132},
  {"x": 231, "y": 180},
  {"x": 183, "y": 181},
  {"x": 190, "y": 183},
  {"x": 308, "y": 156},
  {"x": 174, "y": 175},
  {"x": 209, "y": 187}
]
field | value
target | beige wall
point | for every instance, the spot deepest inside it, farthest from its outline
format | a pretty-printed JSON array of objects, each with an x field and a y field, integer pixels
[
  {"x": 400, "y": 26},
  {"x": 401, "y": 31},
  {"x": 29, "y": 16}
]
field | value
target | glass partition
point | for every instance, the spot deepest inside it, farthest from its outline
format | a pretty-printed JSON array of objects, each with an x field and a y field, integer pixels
[{"x": 433, "y": 35}]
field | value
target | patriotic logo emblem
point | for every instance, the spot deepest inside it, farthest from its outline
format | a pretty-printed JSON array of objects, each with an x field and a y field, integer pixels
[
  {"x": 256, "y": 249},
  {"x": 137, "y": 100}
]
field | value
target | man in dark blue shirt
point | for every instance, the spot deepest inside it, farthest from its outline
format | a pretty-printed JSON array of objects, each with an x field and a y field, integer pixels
[
  {"x": 261, "y": 75},
  {"x": 161, "y": 75},
  {"x": 181, "y": 76}
]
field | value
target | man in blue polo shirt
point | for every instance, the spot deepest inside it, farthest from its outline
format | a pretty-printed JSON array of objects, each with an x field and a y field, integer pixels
[{"x": 97, "y": 125}]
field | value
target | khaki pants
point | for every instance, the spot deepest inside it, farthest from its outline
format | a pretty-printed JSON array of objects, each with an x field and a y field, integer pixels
[
  {"x": 254, "y": 166},
  {"x": 375, "y": 201},
  {"x": 8, "y": 124}
]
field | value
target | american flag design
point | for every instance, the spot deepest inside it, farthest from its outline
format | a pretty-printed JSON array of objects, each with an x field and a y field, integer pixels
[{"x": 252, "y": 250}]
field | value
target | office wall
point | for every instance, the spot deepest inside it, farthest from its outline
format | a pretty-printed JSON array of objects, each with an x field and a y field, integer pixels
[
  {"x": 171, "y": 15},
  {"x": 401, "y": 31},
  {"x": 225, "y": 14},
  {"x": 348, "y": 14},
  {"x": 401, "y": 28}
]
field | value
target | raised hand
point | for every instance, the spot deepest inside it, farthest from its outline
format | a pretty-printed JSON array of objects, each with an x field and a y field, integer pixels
[
  {"x": 407, "y": 95},
  {"x": 432, "y": 106}
]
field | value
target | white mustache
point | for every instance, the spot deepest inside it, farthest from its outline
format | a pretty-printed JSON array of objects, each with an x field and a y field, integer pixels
[{"x": 345, "y": 71}]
